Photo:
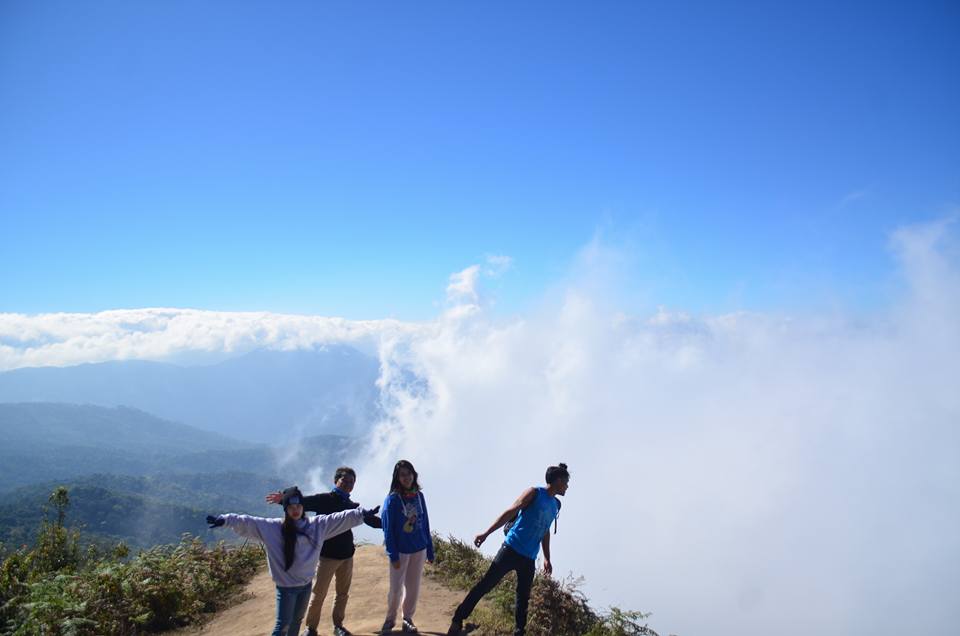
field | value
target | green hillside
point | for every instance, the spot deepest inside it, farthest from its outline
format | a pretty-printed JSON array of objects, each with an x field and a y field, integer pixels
[
  {"x": 43, "y": 442},
  {"x": 139, "y": 511}
]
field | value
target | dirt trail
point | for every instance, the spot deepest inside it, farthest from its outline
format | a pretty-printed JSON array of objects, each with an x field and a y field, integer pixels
[{"x": 254, "y": 616}]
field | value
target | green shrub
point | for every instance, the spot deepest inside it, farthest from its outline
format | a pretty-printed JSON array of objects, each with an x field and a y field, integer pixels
[
  {"x": 557, "y": 607},
  {"x": 55, "y": 588}
]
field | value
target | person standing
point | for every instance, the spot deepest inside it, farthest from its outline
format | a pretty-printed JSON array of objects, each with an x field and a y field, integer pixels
[
  {"x": 336, "y": 555},
  {"x": 293, "y": 546},
  {"x": 529, "y": 517},
  {"x": 406, "y": 534}
]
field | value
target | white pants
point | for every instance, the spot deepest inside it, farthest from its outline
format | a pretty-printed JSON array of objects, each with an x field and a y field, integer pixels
[{"x": 405, "y": 585}]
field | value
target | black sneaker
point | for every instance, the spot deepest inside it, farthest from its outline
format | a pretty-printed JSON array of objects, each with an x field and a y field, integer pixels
[
  {"x": 407, "y": 627},
  {"x": 456, "y": 628},
  {"x": 311, "y": 631},
  {"x": 340, "y": 630},
  {"x": 387, "y": 627}
]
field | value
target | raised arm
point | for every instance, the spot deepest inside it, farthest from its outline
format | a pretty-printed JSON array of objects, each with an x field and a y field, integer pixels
[{"x": 522, "y": 502}]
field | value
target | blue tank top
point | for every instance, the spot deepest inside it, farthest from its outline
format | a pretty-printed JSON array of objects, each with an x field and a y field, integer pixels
[{"x": 532, "y": 523}]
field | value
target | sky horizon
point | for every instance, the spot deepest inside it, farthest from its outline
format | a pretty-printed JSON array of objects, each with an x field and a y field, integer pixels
[{"x": 344, "y": 160}]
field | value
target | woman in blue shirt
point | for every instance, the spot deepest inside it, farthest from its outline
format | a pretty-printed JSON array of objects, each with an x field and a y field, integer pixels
[{"x": 406, "y": 534}]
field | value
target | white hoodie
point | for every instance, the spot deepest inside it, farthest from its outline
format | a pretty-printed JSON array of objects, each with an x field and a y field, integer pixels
[{"x": 310, "y": 537}]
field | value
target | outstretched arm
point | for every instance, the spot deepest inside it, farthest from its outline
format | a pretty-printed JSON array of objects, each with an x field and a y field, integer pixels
[
  {"x": 522, "y": 502},
  {"x": 247, "y": 525}
]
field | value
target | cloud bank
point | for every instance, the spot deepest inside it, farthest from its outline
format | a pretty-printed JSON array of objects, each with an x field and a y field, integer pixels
[
  {"x": 172, "y": 334},
  {"x": 735, "y": 474}
]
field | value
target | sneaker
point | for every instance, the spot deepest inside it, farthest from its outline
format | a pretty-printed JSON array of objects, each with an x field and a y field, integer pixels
[
  {"x": 456, "y": 628},
  {"x": 387, "y": 627},
  {"x": 311, "y": 631},
  {"x": 409, "y": 627},
  {"x": 340, "y": 630}
]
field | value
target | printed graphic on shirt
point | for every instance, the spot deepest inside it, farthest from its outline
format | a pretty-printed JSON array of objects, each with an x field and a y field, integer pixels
[{"x": 411, "y": 510}]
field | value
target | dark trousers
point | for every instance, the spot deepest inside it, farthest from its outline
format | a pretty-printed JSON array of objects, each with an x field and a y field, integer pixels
[{"x": 507, "y": 559}]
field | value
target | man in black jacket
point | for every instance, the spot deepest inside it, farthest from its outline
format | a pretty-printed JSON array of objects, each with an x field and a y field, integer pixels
[{"x": 336, "y": 554}]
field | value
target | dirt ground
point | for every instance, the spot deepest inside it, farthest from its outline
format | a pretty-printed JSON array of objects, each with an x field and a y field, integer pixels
[{"x": 254, "y": 614}]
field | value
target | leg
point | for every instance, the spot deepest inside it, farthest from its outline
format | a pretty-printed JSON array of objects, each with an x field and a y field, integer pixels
[
  {"x": 286, "y": 604},
  {"x": 325, "y": 570},
  {"x": 411, "y": 583},
  {"x": 395, "y": 595},
  {"x": 344, "y": 577},
  {"x": 525, "y": 571},
  {"x": 299, "y": 609},
  {"x": 498, "y": 569}
]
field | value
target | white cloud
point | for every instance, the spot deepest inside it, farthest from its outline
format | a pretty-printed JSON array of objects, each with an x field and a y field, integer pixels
[
  {"x": 162, "y": 334},
  {"x": 855, "y": 195},
  {"x": 736, "y": 474},
  {"x": 463, "y": 286},
  {"x": 497, "y": 265}
]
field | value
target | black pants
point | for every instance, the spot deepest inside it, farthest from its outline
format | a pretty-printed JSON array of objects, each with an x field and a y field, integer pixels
[{"x": 507, "y": 559}]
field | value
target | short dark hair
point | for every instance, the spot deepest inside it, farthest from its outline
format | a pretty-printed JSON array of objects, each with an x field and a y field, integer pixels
[
  {"x": 342, "y": 471},
  {"x": 557, "y": 472}
]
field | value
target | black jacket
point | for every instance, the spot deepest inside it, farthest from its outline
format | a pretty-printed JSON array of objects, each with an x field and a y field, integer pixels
[{"x": 340, "y": 546}]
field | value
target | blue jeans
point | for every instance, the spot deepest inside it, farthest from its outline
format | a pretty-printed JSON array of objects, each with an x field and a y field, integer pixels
[{"x": 291, "y": 606}]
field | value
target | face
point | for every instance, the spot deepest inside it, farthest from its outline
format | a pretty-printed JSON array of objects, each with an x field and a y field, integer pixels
[
  {"x": 295, "y": 511},
  {"x": 346, "y": 483},
  {"x": 561, "y": 485},
  {"x": 405, "y": 475}
]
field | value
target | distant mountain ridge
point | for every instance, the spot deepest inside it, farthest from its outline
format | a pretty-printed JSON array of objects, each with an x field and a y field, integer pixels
[
  {"x": 43, "y": 425},
  {"x": 263, "y": 396},
  {"x": 40, "y": 442}
]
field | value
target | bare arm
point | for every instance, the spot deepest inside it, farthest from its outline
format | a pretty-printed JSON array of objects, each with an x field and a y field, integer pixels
[
  {"x": 522, "y": 502},
  {"x": 545, "y": 543}
]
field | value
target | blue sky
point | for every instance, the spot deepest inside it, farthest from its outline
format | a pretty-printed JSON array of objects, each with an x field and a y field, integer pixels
[{"x": 346, "y": 158}]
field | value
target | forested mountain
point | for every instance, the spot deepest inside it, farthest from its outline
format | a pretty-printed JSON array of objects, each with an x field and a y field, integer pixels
[
  {"x": 43, "y": 442},
  {"x": 265, "y": 396},
  {"x": 140, "y": 511}
]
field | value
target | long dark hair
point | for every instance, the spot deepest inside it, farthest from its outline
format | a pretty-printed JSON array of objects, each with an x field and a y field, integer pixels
[
  {"x": 395, "y": 485},
  {"x": 289, "y": 528}
]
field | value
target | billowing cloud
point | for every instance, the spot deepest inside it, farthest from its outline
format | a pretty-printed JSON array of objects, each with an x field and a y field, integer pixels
[{"x": 735, "y": 474}]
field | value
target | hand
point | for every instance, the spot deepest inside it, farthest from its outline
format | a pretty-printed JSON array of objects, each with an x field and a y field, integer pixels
[
  {"x": 479, "y": 539},
  {"x": 547, "y": 567},
  {"x": 371, "y": 512},
  {"x": 395, "y": 565},
  {"x": 274, "y": 497},
  {"x": 215, "y": 522}
]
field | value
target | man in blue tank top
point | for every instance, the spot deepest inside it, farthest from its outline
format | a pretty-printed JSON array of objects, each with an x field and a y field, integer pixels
[{"x": 529, "y": 517}]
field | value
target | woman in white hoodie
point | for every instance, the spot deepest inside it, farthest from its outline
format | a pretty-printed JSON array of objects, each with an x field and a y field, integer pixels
[{"x": 293, "y": 550}]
